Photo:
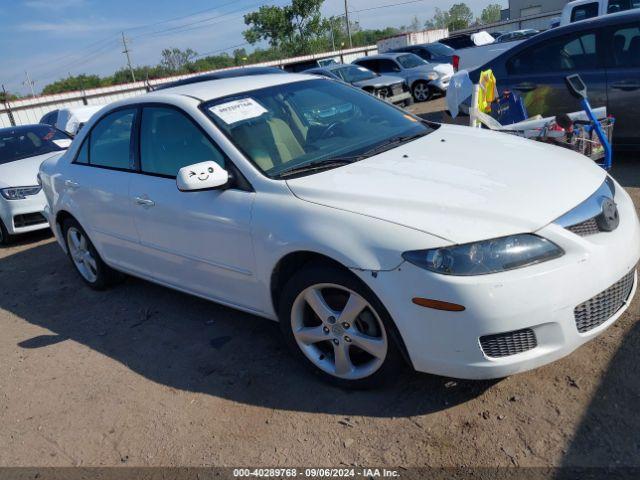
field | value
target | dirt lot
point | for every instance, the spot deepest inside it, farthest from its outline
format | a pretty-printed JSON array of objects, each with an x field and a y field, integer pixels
[{"x": 142, "y": 375}]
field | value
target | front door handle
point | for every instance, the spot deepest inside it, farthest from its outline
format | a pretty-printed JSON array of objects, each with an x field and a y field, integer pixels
[
  {"x": 145, "y": 202},
  {"x": 626, "y": 86},
  {"x": 71, "y": 184},
  {"x": 525, "y": 87}
]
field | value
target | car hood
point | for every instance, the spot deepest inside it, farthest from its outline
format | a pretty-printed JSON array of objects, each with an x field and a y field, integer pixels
[
  {"x": 23, "y": 173},
  {"x": 460, "y": 184},
  {"x": 381, "y": 81}
]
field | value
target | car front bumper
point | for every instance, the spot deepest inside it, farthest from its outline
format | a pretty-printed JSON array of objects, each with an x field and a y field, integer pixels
[
  {"x": 441, "y": 83},
  {"x": 399, "y": 98},
  {"x": 539, "y": 299},
  {"x": 22, "y": 216}
]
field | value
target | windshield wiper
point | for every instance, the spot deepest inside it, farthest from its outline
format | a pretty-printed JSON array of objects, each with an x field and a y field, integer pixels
[
  {"x": 392, "y": 142},
  {"x": 317, "y": 166}
]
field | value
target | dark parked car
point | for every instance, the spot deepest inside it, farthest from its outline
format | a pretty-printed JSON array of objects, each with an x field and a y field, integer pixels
[
  {"x": 458, "y": 41},
  {"x": 605, "y": 51},
  {"x": 390, "y": 88},
  {"x": 435, "y": 52},
  {"x": 50, "y": 118},
  {"x": 517, "y": 35}
]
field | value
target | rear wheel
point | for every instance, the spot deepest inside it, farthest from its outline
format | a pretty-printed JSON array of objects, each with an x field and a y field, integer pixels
[
  {"x": 421, "y": 91},
  {"x": 85, "y": 257},
  {"x": 339, "y": 328}
]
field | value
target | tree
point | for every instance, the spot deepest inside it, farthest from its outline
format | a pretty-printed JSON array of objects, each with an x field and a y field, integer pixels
[
  {"x": 415, "y": 24},
  {"x": 293, "y": 29},
  {"x": 176, "y": 60},
  {"x": 460, "y": 15},
  {"x": 440, "y": 19},
  {"x": 7, "y": 97},
  {"x": 73, "y": 83},
  {"x": 491, "y": 13}
]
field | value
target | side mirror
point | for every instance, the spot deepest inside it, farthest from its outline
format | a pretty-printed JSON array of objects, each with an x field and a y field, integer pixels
[{"x": 201, "y": 176}]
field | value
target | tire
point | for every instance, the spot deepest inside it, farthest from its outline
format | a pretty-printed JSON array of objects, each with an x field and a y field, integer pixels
[
  {"x": 329, "y": 343},
  {"x": 85, "y": 258},
  {"x": 5, "y": 238},
  {"x": 421, "y": 91},
  {"x": 408, "y": 102}
]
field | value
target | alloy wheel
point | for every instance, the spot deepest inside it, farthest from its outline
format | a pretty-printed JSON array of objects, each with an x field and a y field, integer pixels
[
  {"x": 339, "y": 331},
  {"x": 81, "y": 255},
  {"x": 421, "y": 92}
]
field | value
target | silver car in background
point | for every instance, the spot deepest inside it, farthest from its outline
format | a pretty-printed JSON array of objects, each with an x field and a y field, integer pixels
[
  {"x": 424, "y": 79},
  {"x": 387, "y": 87}
]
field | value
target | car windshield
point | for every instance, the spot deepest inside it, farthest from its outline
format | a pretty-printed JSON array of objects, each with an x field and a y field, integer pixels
[
  {"x": 352, "y": 74},
  {"x": 17, "y": 143},
  {"x": 411, "y": 61},
  {"x": 287, "y": 127},
  {"x": 441, "y": 49}
]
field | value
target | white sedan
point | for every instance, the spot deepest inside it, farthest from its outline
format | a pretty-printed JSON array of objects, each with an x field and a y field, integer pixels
[
  {"x": 22, "y": 150},
  {"x": 373, "y": 237}
]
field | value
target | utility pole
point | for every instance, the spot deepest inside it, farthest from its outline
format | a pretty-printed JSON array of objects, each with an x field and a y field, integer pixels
[
  {"x": 346, "y": 19},
  {"x": 333, "y": 40},
  {"x": 126, "y": 52},
  {"x": 30, "y": 83}
]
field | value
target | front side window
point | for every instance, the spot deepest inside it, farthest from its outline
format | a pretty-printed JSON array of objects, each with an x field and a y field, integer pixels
[
  {"x": 388, "y": 66},
  {"x": 352, "y": 74},
  {"x": 370, "y": 64},
  {"x": 17, "y": 143},
  {"x": 110, "y": 141},
  {"x": 411, "y": 61},
  {"x": 169, "y": 141},
  {"x": 583, "y": 12},
  {"x": 571, "y": 52},
  {"x": 289, "y": 126},
  {"x": 441, "y": 49}
]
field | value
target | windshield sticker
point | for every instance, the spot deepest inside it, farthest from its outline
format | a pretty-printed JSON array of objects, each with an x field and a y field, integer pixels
[{"x": 238, "y": 110}]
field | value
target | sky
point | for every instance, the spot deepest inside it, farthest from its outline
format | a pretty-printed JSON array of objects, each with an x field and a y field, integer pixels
[{"x": 51, "y": 39}]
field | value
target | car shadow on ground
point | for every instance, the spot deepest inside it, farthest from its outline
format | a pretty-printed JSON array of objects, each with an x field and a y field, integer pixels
[
  {"x": 626, "y": 168},
  {"x": 191, "y": 344},
  {"x": 609, "y": 433}
]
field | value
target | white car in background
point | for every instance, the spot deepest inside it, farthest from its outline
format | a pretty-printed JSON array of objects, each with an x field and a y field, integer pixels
[
  {"x": 70, "y": 119},
  {"x": 22, "y": 150},
  {"x": 369, "y": 234}
]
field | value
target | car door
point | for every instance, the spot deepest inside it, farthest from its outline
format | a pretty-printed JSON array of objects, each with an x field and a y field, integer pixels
[
  {"x": 97, "y": 185},
  {"x": 623, "y": 82},
  {"x": 195, "y": 241},
  {"x": 537, "y": 73}
]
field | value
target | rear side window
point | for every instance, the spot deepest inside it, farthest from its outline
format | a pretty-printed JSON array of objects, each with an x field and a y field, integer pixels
[
  {"x": 570, "y": 52},
  {"x": 110, "y": 141},
  {"x": 169, "y": 141},
  {"x": 370, "y": 64},
  {"x": 621, "y": 5},
  {"x": 388, "y": 66},
  {"x": 582, "y": 12},
  {"x": 83, "y": 153},
  {"x": 626, "y": 47}
]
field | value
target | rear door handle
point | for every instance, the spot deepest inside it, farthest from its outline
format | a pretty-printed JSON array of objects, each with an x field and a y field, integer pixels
[
  {"x": 525, "y": 87},
  {"x": 626, "y": 86},
  {"x": 144, "y": 201},
  {"x": 71, "y": 184}
]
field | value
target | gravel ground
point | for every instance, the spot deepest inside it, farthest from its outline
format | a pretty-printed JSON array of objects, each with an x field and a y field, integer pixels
[{"x": 141, "y": 375}]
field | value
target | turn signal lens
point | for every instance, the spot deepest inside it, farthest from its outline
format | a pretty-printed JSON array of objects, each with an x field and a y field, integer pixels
[{"x": 438, "y": 304}]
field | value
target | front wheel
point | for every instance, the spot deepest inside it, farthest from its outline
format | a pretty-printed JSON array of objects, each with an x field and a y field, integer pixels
[
  {"x": 338, "y": 328},
  {"x": 421, "y": 91},
  {"x": 5, "y": 238}
]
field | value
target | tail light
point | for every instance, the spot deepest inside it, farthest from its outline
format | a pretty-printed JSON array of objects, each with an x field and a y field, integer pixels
[{"x": 456, "y": 62}]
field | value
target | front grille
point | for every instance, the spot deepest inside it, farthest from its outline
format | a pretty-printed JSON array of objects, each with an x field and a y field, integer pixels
[
  {"x": 508, "y": 343},
  {"x": 397, "y": 89},
  {"x": 28, "y": 219},
  {"x": 599, "y": 309},
  {"x": 588, "y": 227}
]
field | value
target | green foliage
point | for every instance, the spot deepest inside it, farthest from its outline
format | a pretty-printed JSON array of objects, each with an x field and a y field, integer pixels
[
  {"x": 491, "y": 13},
  {"x": 78, "y": 82},
  {"x": 293, "y": 29},
  {"x": 440, "y": 19},
  {"x": 176, "y": 60},
  {"x": 460, "y": 16},
  {"x": 7, "y": 97}
]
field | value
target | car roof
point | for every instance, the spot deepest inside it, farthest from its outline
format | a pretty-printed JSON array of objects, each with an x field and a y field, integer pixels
[
  {"x": 391, "y": 55},
  {"x": 231, "y": 73},
  {"x": 222, "y": 87},
  {"x": 595, "y": 22}
]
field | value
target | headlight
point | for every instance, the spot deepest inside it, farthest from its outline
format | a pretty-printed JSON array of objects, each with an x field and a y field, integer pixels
[
  {"x": 432, "y": 76},
  {"x": 19, "y": 193},
  {"x": 489, "y": 256}
]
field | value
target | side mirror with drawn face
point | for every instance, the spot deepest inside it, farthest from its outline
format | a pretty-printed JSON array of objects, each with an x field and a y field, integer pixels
[{"x": 201, "y": 176}]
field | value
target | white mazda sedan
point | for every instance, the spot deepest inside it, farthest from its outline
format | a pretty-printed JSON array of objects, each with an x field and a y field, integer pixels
[{"x": 373, "y": 237}]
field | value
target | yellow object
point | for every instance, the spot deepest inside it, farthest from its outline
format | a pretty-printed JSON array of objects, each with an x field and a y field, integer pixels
[{"x": 488, "y": 91}]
